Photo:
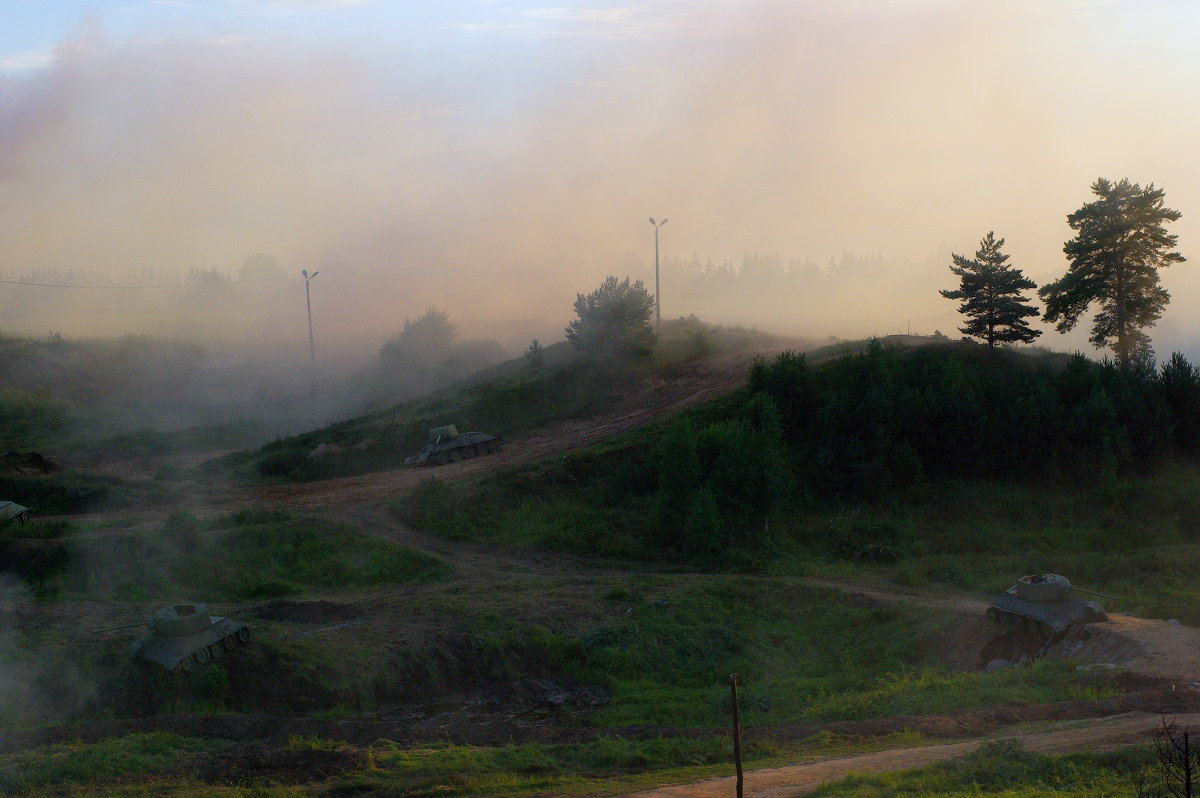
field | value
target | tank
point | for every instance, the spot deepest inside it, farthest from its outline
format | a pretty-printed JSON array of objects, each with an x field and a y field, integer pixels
[
  {"x": 448, "y": 445},
  {"x": 1044, "y": 603},
  {"x": 185, "y": 636}
]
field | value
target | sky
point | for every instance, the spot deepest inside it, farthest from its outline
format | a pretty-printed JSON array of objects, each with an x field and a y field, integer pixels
[{"x": 495, "y": 158}]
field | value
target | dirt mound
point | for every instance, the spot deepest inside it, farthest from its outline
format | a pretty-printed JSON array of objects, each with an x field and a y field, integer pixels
[
  {"x": 307, "y": 611},
  {"x": 976, "y": 642}
]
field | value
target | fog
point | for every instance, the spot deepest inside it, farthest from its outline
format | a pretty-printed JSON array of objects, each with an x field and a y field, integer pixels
[{"x": 494, "y": 161}]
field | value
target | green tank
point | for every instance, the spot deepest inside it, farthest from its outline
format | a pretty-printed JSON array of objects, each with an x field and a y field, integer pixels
[
  {"x": 185, "y": 636},
  {"x": 1045, "y": 603},
  {"x": 448, "y": 445}
]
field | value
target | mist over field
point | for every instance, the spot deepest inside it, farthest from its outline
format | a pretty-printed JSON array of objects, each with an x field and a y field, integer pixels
[
  {"x": 496, "y": 160},
  {"x": 342, "y": 448}
]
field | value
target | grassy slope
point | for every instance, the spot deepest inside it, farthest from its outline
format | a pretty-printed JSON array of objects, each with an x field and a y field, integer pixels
[
  {"x": 59, "y": 394},
  {"x": 504, "y": 400},
  {"x": 1134, "y": 536},
  {"x": 664, "y": 643}
]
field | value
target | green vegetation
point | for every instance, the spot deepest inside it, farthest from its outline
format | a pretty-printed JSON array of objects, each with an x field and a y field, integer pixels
[
  {"x": 36, "y": 553},
  {"x": 992, "y": 295},
  {"x": 606, "y": 763},
  {"x": 167, "y": 764},
  {"x": 1004, "y": 769},
  {"x": 251, "y": 554},
  {"x": 804, "y": 654},
  {"x": 79, "y": 764},
  {"x": 162, "y": 763},
  {"x": 505, "y": 400},
  {"x": 613, "y": 322},
  {"x": 875, "y": 457},
  {"x": 247, "y": 554},
  {"x": 89, "y": 393},
  {"x": 71, "y": 491},
  {"x": 1121, "y": 242},
  {"x": 30, "y": 420}
]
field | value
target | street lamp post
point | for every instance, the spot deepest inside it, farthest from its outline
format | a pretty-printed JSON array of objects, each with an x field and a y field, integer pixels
[
  {"x": 657, "y": 300},
  {"x": 312, "y": 350}
]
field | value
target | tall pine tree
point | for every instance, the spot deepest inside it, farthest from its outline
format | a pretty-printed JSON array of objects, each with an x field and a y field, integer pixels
[
  {"x": 1120, "y": 245},
  {"x": 991, "y": 295}
]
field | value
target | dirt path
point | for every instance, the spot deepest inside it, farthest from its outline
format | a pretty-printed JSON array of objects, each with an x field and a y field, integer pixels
[
  {"x": 1102, "y": 734},
  {"x": 1150, "y": 647},
  {"x": 675, "y": 389}
]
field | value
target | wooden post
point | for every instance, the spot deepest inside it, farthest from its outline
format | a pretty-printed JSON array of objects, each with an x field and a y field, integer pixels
[
  {"x": 1187, "y": 765},
  {"x": 737, "y": 731}
]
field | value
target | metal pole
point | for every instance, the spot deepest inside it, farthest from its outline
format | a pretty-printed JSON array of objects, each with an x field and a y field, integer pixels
[
  {"x": 312, "y": 349},
  {"x": 737, "y": 732},
  {"x": 657, "y": 289}
]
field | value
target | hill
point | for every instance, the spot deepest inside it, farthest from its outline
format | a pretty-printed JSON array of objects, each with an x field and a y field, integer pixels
[{"x": 561, "y": 618}]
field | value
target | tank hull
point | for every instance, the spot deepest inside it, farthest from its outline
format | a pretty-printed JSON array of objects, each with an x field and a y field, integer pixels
[
  {"x": 186, "y": 652},
  {"x": 1044, "y": 603},
  {"x": 462, "y": 446}
]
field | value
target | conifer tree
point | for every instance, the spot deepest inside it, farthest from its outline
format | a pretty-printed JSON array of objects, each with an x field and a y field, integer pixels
[
  {"x": 614, "y": 320},
  {"x": 1120, "y": 245},
  {"x": 991, "y": 294}
]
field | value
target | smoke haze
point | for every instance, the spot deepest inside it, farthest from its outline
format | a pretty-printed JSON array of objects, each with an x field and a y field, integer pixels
[{"x": 494, "y": 160}]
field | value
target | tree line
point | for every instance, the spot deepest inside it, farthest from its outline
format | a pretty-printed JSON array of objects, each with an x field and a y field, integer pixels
[{"x": 1120, "y": 244}]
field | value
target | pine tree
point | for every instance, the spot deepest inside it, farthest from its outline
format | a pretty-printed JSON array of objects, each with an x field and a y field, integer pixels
[
  {"x": 614, "y": 320},
  {"x": 1120, "y": 245},
  {"x": 991, "y": 295}
]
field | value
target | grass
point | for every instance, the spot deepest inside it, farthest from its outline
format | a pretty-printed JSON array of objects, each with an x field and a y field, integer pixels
[
  {"x": 70, "y": 491},
  {"x": 32, "y": 419},
  {"x": 163, "y": 763},
  {"x": 92, "y": 764},
  {"x": 804, "y": 654},
  {"x": 244, "y": 555},
  {"x": 504, "y": 400},
  {"x": 1004, "y": 769}
]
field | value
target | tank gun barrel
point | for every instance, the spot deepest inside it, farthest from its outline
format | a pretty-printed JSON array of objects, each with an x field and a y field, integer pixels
[{"x": 117, "y": 628}]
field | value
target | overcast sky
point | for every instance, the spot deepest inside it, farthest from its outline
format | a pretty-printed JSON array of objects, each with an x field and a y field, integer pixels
[{"x": 497, "y": 157}]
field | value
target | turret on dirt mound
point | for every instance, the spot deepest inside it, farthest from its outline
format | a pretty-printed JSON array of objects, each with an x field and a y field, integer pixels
[
  {"x": 448, "y": 445},
  {"x": 184, "y": 636},
  {"x": 1044, "y": 603}
]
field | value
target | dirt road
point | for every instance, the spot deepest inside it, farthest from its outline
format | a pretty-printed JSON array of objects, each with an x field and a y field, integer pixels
[
  {"x": 679, "y": 387},
  {"x": 1158, "y": 649},
  {"x": 1102, "y": 734}
]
